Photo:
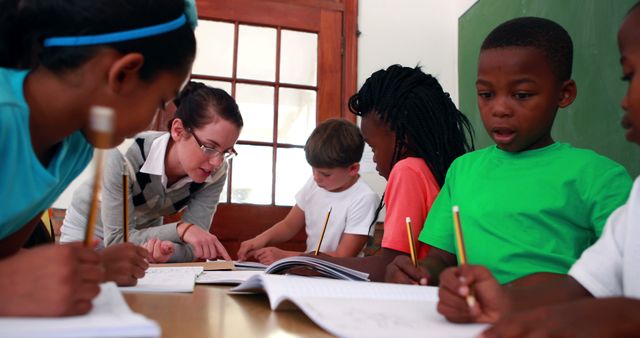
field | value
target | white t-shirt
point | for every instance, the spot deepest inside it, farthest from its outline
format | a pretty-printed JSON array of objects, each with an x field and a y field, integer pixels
[
  {"x": 352, "y": 212},
  {"x": 611, "y": 267}
]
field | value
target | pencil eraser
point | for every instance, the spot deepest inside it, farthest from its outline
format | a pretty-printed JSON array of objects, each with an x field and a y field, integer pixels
[{"x": 101, "y": 119}]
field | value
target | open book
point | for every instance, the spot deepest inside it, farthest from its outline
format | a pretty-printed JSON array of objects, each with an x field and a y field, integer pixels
[
  {"x": 166, "y": 279},
  {"x": 360, "y": 309},
  {"x": 298, "y": 264},
  {"x": 226, "y": 277},
  {"x": 110, "y": 317}
]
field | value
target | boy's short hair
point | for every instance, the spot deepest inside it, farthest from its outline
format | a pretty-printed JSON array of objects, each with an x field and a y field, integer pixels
[
  {"x": 334, "y": 144},
  {"x": 543, "y": 34}
]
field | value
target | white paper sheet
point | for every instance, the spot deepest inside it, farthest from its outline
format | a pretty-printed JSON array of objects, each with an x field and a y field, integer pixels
[
  {"x": 166, "y": 279},
  {"x": 225, "y": 277},
  {"x": 110, "y": 317}
]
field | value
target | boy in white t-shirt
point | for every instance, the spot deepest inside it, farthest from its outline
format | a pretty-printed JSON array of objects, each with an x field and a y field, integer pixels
[{"x": 333, "y": 150}]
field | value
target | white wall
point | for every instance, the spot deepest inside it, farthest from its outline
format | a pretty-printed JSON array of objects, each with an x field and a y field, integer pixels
[{"x": 409, "y": 32}]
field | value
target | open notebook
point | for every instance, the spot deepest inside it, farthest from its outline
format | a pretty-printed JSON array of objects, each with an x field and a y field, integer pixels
[
  {"x": 226, "y": 277},
  {"x": 110, "y": 317},
  {"x": 298, "y": 264},
  {"x": 360, "y": 309},
  {"x": 166, "y": 279}
]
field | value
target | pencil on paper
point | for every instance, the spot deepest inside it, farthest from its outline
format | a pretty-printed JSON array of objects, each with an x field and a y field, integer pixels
[
  {"x": 102, "y": 125},
  {"x": 412, "y": 245},
  {"x": 125, "y": 204},
  {"x": 326, "y": 221},
  {"x": 462, "y": 254}
]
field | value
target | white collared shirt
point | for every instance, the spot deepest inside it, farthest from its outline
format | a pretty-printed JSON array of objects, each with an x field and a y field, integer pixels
[{"x": 154, "y": 164}]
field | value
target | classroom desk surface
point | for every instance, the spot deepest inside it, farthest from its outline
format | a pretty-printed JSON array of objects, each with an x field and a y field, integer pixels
[{"x": 210, "y": 312}]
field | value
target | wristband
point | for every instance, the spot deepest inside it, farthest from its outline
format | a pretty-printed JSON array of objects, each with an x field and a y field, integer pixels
[{"x": 185, "y": 231}]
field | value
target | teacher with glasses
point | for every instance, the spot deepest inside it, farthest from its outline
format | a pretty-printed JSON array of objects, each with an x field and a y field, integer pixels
[{"x": 183, "y": 169}]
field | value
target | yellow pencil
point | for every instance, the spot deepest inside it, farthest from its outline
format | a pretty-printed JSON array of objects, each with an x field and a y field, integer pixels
[
  {"x": 102, "y": 125},
  {"x": 326, "y": 221},
  {"x": 125, "y": 205},
  {"x": 412, "y": 245},
  {"x": 462, "y": 254}
]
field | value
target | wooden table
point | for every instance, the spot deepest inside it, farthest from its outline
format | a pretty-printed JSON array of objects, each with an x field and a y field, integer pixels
[{"x": 210, "y": 312}]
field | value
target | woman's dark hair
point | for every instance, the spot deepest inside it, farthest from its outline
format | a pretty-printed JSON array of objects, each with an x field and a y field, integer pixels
[
  {"x": 197, "y": 102},
  {"x": 416, "y": 108},
  {"x": 24, "y": 24}
]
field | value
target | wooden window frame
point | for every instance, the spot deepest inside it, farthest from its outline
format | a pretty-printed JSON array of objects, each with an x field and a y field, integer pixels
[{"x": 332, "y": 20}]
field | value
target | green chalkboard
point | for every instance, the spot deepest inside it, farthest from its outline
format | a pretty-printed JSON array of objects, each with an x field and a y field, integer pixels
[{"x": 593, "y": 120}]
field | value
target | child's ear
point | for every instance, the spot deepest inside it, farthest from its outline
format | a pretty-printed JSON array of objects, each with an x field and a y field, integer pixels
[
  {"x": 354, "y": 169},
  {"x": 568, "y": 93},
  {"x": 124, "y": 72},
  {"x": 177, "y": 129}
]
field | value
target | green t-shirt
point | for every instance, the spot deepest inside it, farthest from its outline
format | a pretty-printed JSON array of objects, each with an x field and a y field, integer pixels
[{"x": 526, "y": 212}]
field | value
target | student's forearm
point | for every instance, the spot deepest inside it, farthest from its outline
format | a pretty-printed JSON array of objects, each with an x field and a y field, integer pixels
[
  {"x": 559, "y": 290},
  {"x": 375, "y": 266},
  {"x": 629, "y": 315},
  {"x": 535, "y": 279}
]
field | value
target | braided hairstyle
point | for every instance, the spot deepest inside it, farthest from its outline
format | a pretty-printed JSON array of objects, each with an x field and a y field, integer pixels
[{"x": 417, "y": 109}]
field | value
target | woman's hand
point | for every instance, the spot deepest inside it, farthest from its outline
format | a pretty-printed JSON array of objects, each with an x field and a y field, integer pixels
[{"x": 205, "y": 245}]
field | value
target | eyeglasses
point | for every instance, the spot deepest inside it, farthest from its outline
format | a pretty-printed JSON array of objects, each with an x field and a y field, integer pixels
[{"x": 211, "y": 152}]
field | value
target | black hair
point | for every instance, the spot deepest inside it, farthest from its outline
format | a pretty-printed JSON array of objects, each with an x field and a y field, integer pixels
[
  {"x": 197, "y": 103},
  {"x": 24, "y": 24},
  {"x": 417, "y": 109},
  {"x": 539, "y": 33},
  {"x": 334, "y": 143},
  {"x": 637, "y": 4}
]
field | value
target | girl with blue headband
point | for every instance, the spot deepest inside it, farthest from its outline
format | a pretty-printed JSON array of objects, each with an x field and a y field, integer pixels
[{"x": 57, "y": 60}]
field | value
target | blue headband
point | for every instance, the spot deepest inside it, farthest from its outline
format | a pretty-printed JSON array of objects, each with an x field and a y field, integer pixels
[{"x": 132, "y": 34}]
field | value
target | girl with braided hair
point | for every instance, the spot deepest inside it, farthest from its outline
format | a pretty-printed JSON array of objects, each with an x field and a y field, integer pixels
[{"x": 415, "y": 131}]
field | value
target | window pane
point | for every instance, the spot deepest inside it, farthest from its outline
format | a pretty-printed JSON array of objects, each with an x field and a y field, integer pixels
[
  {"x": 292, "y": 171},
  {"x": 298, "y": 57},
  {"x": 214, "y": 55},
  {"x": 223, "y": 194},
  {"x": 249, "y": 185},
  {"x": 296, "y": 115},
  {"x": 257, "y": 53},
  {"x": 224, "y": 85},
  {"x": 256, "y": 107}
]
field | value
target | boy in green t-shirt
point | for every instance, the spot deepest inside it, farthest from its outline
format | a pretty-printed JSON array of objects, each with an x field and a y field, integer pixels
[{"x": 529, "y": 206}]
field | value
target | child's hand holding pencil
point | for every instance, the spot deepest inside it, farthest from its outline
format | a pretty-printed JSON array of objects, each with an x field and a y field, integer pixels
[
  {"x": 490, "y": 299},
  {"x": 403, "y": 271}
]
